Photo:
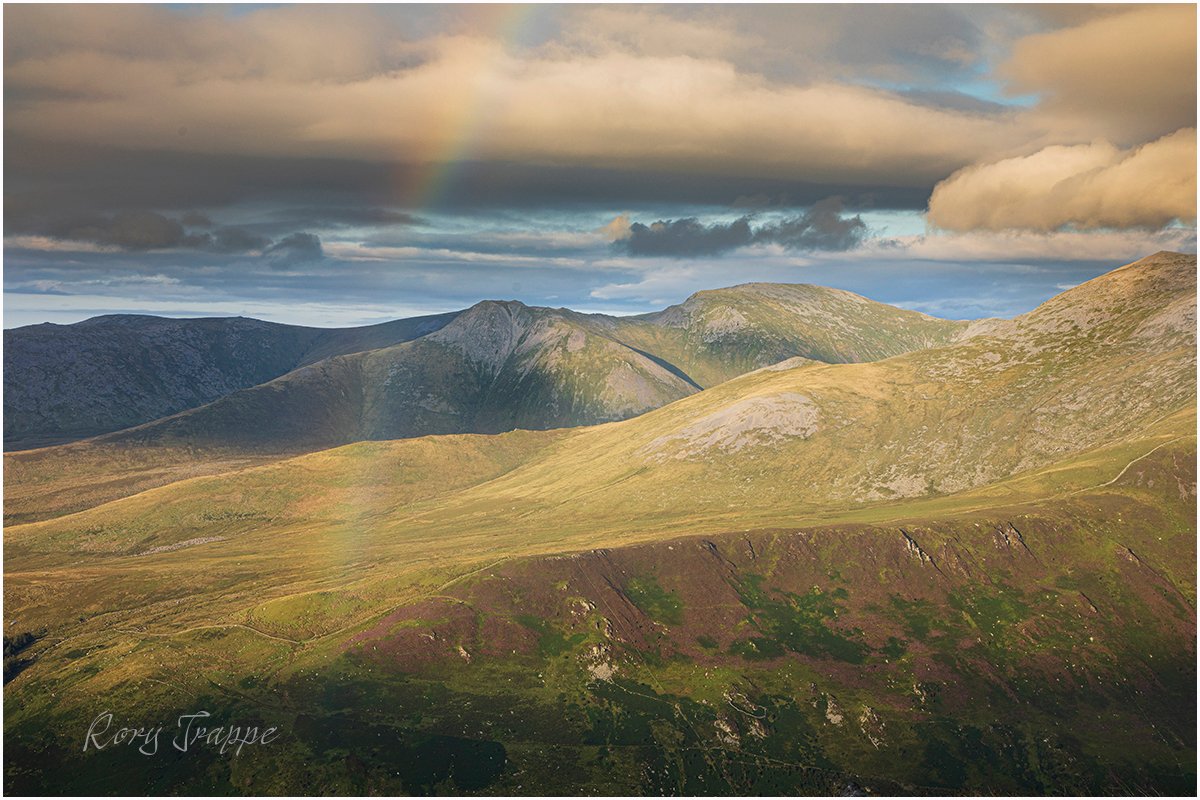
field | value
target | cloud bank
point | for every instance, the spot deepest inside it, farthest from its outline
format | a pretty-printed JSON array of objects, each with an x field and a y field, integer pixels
[{"x": 1080, "y": 186}]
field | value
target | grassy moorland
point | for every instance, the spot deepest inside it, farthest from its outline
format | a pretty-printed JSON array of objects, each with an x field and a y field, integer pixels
[{"x": 963, "y": 569}]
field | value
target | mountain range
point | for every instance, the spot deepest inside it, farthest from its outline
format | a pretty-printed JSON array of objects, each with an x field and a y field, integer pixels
[
  {"x": 794, "y": 542},
  {"x": 490, "y": 368}
]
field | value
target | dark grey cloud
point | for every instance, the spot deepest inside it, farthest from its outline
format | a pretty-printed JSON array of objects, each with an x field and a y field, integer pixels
[
  {"x": 235, "y": 240},
  {"x": 686, "y": 237},
  {"x": 296, "y": 248},
  {"x": 194, "y": 219},
  {"x": 45, "y": 178},
  {"x": 130, "y": 230},
  {"x": 348, "y": 216},
  {"x": 820, "y": 227},
  {"x": 148, "y": 230},
  {"x": 142, "y": 230}
]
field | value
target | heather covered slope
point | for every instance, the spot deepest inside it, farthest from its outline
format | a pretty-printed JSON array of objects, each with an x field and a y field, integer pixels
[
  {"x": 1039, "y": 646},
  {"x": 65, "y": 382}
]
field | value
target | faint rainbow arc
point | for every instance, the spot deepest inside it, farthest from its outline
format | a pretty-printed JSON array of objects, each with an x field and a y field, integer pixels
[
  {"x": 463, "y": 125},
  {"x": 423, "y": 189}
]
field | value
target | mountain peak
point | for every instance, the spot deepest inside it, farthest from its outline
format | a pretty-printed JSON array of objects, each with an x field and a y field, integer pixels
[
  {"x": 1137, "y": 291},
  {"x": 1165, "y": 254},
  {"x": 489, "y": 331},
  {"x": 510, "y": 306}
]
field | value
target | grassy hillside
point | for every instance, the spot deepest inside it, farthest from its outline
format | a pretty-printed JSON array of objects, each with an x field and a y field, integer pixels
[
  {"x": 802, "y": 658},
  {"x": 719, "y": 334},
  {"x": 964, "y": 569}
]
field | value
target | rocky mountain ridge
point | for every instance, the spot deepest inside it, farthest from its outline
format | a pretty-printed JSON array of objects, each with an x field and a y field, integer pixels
[{"x": 495, "y": 366}]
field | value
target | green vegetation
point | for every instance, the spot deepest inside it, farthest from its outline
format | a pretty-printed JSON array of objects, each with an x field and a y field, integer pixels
[
  {"x": 686, "y": 602},
  {"x": 659, "y": 605},
  {"x": 551, "y": 641},
  {"x": 796, "y": 622}
]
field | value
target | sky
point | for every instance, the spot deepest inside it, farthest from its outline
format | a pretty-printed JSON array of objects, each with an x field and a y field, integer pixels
[{"x": 345, "y": 165}]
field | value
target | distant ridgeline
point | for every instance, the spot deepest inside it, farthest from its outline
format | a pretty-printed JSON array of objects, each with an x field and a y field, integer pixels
[{"x": 493, "y": 367}]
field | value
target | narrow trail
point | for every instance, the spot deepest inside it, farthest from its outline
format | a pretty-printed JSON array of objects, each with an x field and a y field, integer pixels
[
  {"x": 214, "y": 626},
  {"x": 434, "y": 594},
  {"x": 1125, "y": 469}
]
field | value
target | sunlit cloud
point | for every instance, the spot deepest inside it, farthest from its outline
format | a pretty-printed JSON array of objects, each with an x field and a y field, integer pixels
[
  {"x": 1084, "y": 186},
  {"x": 392, "y": 158}
]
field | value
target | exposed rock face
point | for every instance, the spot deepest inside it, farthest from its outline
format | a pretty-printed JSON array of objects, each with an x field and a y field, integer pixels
[
  {"x": 748, "y": 423},
  {"x": 914, "y": 549},
  {"x": 488, "y": 333}
]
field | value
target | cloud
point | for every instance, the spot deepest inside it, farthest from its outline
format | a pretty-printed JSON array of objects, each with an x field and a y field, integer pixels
[
  {"x": 204, "y": 108},
  {"x": 235, "y": 86},
  {"x": 646, "y": 31},
  {"x": 348, "y": 216},
  {"x": 55, "y": 178},
  {"x": 681, "y": 238},
  {"x": 141, "y": 231},
  {"x": 1082, "y": 186},
  {"x": 1109, "y": 247},
  {"x": 618, "y": 229},
  {"x": 1128, "y": 76},
  {"x": 135, "y": 230},
  {"x": 194, "y": 219},
  {"x": 295, "y": 248},
  {"x": 442, "y": 255},
  {"x": 821, "y": 227},
  {"x": 234, "y": 240}
]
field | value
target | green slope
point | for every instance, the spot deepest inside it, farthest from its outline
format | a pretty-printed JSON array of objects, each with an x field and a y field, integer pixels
[
  {"x": 719, "y": 334},
  {"x": 964, "y": 569}
]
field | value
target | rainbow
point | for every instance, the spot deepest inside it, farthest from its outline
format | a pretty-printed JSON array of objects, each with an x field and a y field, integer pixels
[{"x": 462, "y": 120}]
